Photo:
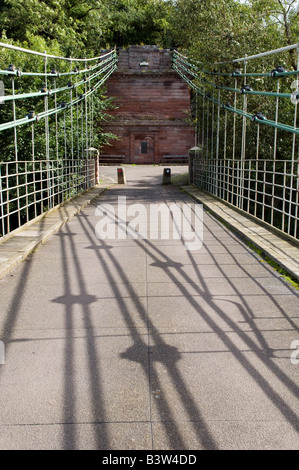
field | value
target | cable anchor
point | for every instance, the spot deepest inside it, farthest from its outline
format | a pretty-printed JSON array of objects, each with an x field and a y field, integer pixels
[
  {"x": 244, "y": 89},
  {"x": 236, "y": 73},
  {"x": 275, "y": 72},
  {"x": 258, "y": 117}
]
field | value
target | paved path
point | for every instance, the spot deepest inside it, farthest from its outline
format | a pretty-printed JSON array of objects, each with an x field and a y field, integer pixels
[{"x": 141, "y": 344}]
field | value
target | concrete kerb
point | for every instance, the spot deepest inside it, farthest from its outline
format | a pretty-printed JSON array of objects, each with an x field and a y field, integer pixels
[
  {"x": 20, "y": 253},
  {"x": 278, "y": 255}
]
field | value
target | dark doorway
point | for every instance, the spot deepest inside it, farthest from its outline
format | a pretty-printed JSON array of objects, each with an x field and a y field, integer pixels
[{"x": 144, "y": 149}]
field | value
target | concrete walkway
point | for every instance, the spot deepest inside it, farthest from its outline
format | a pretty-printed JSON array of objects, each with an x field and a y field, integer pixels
[{"x": 141, "y": 344}]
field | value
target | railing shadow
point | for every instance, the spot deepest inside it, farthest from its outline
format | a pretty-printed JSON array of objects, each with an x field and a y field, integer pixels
[
  {"x": 151, "y": 348},
  {"x": 172, "y": 356},
  {"x": 16, "y": 303},
  {"x": 140, "y": 349}
]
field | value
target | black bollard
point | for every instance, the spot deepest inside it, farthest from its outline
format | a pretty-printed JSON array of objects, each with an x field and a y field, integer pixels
[{"x": 166, "y": 176}]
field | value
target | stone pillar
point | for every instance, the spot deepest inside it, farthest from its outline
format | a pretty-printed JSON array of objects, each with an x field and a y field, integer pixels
[{"x": 194, "y": 154}]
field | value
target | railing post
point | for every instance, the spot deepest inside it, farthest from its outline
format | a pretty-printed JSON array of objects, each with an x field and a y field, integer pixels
[
  {"x": 194, "y": 153},
  {"x": 96, "y": 168}
]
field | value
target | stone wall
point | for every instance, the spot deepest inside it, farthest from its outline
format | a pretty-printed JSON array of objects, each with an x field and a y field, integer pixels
[{"x": 152, "y": 108}]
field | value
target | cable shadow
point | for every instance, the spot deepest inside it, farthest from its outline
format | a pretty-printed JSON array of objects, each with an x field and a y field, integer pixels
[
  {"x": 277, "y": 400},
  {"x": 133, "y": 353},
  {"x": 84, "y": 300},
  {"x": 16, "y": 304}
]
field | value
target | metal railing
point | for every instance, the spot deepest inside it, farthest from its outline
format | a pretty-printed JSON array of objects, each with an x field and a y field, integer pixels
[
  {"x": 247, "y": 132},
  {"x": 262, "y": 188},
  {"x": 29, "y": 188},
  {"x": 47, "y": 130}
]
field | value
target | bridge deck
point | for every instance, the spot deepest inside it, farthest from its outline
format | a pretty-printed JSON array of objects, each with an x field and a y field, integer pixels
[{"x": 140, "y": 344}]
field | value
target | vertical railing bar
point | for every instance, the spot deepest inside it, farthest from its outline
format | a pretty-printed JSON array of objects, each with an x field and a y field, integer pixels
[
  {"x": 1, "y": 204},
  {"x": 212, "y": 133},
  {"x": 248, "y": 186},
  {"x": 65, "y": 135},
  {"x": 283, "y": 197},
  {"x": 218, "y": 127},
  {"x": 56, "y": 143},
  {"x": 203, "y": 118},
  {"x": 26, "y": 186},
  {"x": 86, "y": 118},
  {"x": 82, "y": 129},
  {"x": 297, "y": 175},
  {"x": 7, "y": 198},
  {"x": 196, "y": 143},
  {"x": 257, "y": 167},
  {"x": 16, "y": 148},
  {"x": 264, "y": 189},
  {"x": 225, "y": 134},
  {"x": 218, "y": 130},
  {"x": 71, "y": 127},
  {"x": 297, "y": 200},
  {"x": 276, "y": 120},
  {"x": 33, "y": 174},
  {"x": 226, "y": 179},
  {"x": 235, "y": 172},
  {"x": 91, "y": 140},
  {"x": 234, "y": 124},
  {"x": 239, "y": 180},
  {"x": 71, "y": 101},
  {"x": 56, "y": 121},
  {"x": 42, "y": 185},
  {"x": 293, "y": 153},
  {"x": 274, "y": 155},
  {"x": 47, "y": 142},
  {"x": 77, "y": 116},
  {"x": 243, "y": 150},
  {"x": 207, "y": 133}
]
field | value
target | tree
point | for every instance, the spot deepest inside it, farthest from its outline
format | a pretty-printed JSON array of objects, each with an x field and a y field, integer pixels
[
  {"x": 87, "y": 25},
  {"x": 284, "y": 16},
  {"x": 219, "y": 30}
]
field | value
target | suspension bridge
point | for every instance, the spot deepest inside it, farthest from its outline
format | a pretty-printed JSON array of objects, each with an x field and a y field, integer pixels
[{"x": 136, "y": 343}]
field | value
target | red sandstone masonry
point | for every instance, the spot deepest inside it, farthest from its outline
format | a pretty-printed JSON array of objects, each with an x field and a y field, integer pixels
[{"x": 151, "y": 107}]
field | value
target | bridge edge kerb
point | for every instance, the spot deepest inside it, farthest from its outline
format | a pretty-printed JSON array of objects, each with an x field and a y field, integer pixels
[{"x": 20, "y": 255}]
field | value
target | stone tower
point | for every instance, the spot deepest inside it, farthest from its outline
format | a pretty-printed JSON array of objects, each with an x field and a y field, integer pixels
[{"x": 152, "y": 109}]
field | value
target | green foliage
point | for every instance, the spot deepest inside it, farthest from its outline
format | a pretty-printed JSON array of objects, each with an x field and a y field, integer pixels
[
  {"x": 87, "y": 25},
  {"x": 219, "y": 30},
  {"x": 213, "y": 32},
  {"x": 140, "y": 22},
  {"x": 210, "y": 31}
]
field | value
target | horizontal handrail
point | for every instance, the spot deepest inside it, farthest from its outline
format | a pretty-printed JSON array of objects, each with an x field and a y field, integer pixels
[{"x": 50, "y": 56}]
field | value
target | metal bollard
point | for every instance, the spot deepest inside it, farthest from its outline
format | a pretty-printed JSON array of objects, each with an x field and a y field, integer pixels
[
  {"x": 121, "y": 178},
  {"x": 166, "y": 176}
]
